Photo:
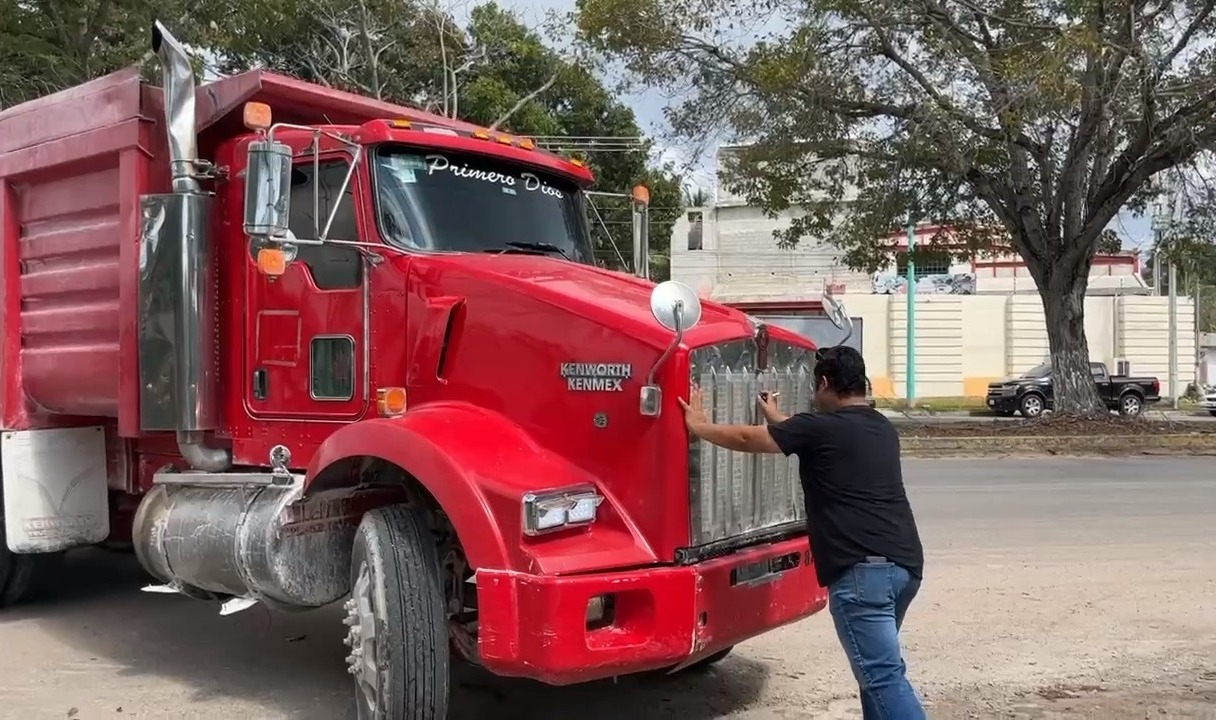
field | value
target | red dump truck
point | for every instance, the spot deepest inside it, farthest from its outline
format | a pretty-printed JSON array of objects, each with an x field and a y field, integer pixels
[{"x": 299, "y": 347}]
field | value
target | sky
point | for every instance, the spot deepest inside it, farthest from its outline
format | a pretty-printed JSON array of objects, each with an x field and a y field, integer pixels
[{"x": 1136, "y": 232}]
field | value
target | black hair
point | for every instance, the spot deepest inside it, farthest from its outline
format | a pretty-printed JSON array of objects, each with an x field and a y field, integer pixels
[{"x": 843, "y": 368}]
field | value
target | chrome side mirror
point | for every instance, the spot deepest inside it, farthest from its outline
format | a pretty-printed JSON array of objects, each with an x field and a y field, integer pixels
[
  {"x": 676, "y": 307},
  {"x": 268, "y": 189},
  {"x": 838, "y": 316}
]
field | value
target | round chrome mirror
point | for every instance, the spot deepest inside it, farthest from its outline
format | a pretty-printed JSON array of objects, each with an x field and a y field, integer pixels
[
  {"x": 672, "y": 298},
  {"x": 835, "y": 311}
]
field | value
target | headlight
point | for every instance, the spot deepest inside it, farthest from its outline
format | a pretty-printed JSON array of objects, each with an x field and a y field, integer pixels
[
  {"x": 1009, "y": 389},
  {"x": 557, "y": 509}
]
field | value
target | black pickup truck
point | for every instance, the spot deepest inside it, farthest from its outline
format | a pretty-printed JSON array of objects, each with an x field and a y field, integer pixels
[{"x": 1032, "y": 393}]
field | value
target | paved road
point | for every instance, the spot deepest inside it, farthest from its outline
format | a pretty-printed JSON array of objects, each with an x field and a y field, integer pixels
[{"x": 1051, "y": 585}]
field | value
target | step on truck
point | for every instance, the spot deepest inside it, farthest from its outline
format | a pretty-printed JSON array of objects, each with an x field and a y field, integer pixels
[{"x": 297, "y": 347}]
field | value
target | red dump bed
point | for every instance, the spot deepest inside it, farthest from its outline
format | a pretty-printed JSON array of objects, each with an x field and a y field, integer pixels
[{"x": 72, "y": 168}]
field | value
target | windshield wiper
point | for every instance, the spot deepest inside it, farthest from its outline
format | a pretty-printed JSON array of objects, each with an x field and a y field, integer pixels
[{"x": 537, "y": 246}]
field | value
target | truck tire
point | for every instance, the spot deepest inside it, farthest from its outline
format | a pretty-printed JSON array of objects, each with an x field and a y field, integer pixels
[
  {"x": 1031, "y": 405},
  {"x": 1130, "y": 404},
  {"x": 398, "y": 637},
  {"x": 22, "y": 576}
]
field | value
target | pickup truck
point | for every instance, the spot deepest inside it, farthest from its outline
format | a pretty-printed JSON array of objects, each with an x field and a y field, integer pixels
[{"x": 1032, "y": 393}]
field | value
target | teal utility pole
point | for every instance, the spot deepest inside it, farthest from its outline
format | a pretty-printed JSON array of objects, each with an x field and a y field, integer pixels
[{"x": 910, "y": 364}]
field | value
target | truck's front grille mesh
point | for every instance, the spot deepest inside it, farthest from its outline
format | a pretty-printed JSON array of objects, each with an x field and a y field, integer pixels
[{"x": 735, "y": 495}]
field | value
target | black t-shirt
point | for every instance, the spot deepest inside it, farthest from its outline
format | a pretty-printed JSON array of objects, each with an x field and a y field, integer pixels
[{"x": 855, "y": 501}]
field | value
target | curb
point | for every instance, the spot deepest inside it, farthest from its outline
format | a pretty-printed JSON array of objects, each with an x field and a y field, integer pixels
[{"x": 1053, "y": 445}]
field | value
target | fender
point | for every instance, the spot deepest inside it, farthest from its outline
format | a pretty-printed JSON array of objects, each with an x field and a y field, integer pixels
[{"x": 477, "y": 465}]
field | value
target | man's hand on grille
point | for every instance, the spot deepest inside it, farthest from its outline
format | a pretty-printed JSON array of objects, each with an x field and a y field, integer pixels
[{"x": 694, "y": 413}]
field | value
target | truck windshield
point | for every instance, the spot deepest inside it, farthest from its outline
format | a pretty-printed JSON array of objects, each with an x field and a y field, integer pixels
[
  {"x": 446, "y": 201},
  {"x": 1038, "y": 371}
]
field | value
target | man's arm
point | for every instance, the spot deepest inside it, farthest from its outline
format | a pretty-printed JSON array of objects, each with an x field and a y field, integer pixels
[{"x": 744, "y": 438}]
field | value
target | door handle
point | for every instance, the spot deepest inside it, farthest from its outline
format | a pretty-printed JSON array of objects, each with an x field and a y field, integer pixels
[{"x": 260, "y": 384}]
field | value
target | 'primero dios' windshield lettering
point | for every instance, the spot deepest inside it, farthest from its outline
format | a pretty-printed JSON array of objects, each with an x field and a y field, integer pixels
[{"x": 531, "y": 183}]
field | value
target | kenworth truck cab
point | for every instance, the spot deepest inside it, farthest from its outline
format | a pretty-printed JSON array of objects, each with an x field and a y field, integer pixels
[{"x": 298, "y": 347}]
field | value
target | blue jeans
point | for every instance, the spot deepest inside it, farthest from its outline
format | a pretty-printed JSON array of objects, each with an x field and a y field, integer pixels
[{"x": 868, "y": 603}]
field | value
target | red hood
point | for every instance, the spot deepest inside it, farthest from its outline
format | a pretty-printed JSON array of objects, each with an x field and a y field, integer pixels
[{"x": 608, "y": 298}]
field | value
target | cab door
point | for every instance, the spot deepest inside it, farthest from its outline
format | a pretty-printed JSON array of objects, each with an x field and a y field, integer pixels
[{"x": 305, "y": 340}]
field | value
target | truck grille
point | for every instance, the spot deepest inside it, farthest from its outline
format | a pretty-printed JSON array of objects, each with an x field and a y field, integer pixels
[{"x": 736, "y": 496}]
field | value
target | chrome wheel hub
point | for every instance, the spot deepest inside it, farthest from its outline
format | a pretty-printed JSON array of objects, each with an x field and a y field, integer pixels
[{"x": 361, "y": 639}]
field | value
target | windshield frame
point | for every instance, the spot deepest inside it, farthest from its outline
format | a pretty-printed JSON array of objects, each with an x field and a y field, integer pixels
[{"x": 583, "y": 250}]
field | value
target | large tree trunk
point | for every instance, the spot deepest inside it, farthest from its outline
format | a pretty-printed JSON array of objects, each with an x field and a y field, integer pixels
[{"x": 1063, "y": 299}]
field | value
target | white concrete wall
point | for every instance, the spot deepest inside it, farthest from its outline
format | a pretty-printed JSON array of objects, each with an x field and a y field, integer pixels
[
  {"x": 965, "y": 342},
  {"x": 741, "y": 262}
]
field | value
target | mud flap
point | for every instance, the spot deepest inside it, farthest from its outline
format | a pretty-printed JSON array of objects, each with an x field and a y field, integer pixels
[{"x": 55, "y": 492}]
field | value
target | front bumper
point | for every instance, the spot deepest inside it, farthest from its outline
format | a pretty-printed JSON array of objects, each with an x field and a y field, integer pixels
[
  {"x": 1003, "y": 403},
  {"x": 663, "y": 617}
]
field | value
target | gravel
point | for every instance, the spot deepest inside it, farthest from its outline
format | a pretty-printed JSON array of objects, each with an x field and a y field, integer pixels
[
  {"x": 1054, "y": 588},
  {"x": 1054, "y": 425}
]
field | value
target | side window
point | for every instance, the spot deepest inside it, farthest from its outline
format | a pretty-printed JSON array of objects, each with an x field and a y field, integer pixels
[
  {"x": 1098, "y": 370},
  {"x": 331, "y": 362},
  {"x": 333, "y": 267}
]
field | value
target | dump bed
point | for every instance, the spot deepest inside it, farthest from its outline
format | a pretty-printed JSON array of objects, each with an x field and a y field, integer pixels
[{"x": 72, "y": 168}]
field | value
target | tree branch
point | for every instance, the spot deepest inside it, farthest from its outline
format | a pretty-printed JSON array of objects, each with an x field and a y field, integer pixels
[
  {"x": 889, "y": 51},
  {"x": 524, "y": 101},
  {"x": 1187, "y": 35}
]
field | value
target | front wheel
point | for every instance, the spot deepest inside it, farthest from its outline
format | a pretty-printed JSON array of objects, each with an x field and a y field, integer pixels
[
  {"x": 1031, "y": 405},
  {"x": 398, "y": 635},
  {"x": 1130, "y": 405}
]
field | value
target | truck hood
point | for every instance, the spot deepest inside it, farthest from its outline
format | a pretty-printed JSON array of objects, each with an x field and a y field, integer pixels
[{"x": 608, "y": 298}]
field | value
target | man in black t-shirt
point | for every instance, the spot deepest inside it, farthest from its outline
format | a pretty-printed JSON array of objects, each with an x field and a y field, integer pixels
[{"x": 863, "y": 537}]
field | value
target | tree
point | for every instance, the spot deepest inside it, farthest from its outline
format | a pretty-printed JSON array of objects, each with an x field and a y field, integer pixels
[
  {"x": 496, "y": 72},
  {"x": 46, "y": 46},
  {"x": 1038, "y": 121}
]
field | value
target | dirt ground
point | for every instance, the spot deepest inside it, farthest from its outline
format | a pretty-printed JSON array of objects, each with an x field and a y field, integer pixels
[
  {"x": 1055, "y": 588},
  {"x": 1052, "y": 426}
]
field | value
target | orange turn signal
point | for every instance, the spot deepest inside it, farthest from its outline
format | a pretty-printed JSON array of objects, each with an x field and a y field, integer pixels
[
  {"x": 257, "y": 116},
  {"x": 641, "y": 195},
  {"x": 390, "y": 401},
  {"x": 272, "y": 261}
]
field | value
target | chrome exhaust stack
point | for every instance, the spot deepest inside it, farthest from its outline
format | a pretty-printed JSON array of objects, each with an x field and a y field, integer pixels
[{"x": 177, "y": 281}]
